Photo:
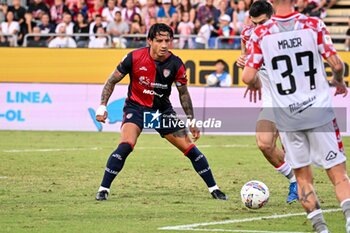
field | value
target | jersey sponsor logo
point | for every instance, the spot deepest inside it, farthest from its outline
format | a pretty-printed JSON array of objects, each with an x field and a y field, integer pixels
[
  {"x": 143, "y": 68},
  {"x": 129, "y": 115},
  {"x": 166, "y": 73},
  {"x": 291, "y": 43},
  {"x": 300, "y": 107},
  {"x": 331, "y": 155},
  {"x": 151, "y": 92},
  {"x": 145, "y": 81}
]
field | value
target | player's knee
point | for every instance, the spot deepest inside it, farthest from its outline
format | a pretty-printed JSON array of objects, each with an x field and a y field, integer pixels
[
  {"x": 126, "y": 145},
  {"x": 265, "y": 147}
]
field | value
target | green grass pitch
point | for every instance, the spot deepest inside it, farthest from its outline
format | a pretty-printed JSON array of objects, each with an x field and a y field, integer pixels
[{"x": 53, "y": 190}]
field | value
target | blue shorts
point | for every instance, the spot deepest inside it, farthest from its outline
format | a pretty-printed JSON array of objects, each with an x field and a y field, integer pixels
[{"x": 137, "y": 114}]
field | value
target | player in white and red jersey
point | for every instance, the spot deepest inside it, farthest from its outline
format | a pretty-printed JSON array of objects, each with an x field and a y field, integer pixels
[
  {"x": 266, "y": 131},
  {"x": 291, "y": 46}
]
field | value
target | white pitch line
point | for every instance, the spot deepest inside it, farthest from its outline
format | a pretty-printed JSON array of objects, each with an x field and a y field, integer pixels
[
  {"x": 241, "y": 231},
  {"x": 191, "y": 227},
  {"x": 49, "y": 150},
  {"x": 3, "y": 177},
  {"x": 136, "y": 148}
]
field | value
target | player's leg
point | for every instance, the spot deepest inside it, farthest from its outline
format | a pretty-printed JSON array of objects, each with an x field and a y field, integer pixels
[
  {"x": 308, "y": 199},
  {"x": 131, "y": 128},
  {"x": 298, "y": 154},
  {"x": 266, "y": 138},
  {"x": 328, "y": 152},
  {"x": 340, "y": 180},
  {"x": 115, "y": 163},
  {"x": 183, "y": 142}
]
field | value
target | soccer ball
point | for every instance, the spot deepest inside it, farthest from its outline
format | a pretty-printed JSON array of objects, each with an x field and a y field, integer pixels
[
  {"x": 255, "y": 194},
  {"x": 212, "y": 80}
]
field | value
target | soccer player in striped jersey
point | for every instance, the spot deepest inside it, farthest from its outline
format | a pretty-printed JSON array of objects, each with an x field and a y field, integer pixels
[{"x": 291, "y": 45}]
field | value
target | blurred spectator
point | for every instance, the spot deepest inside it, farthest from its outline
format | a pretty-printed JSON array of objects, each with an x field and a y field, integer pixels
[
  {"x": 46, "y": 27},
  {"x": 248, "y": 3},
  {"x": 57, "y": 11},
  {"x": 36, "y": 41},
  {"x": 118, "y": 27},
  {"x": 149, "y": 11},
  {"x": 232, "y": 6},
  {"x": 173, "y": 23},
  {"x": 99, "y": 41},
  {"x": 38, "y": 8},
  {"x": 223, "y": 6},
  {"x": 314, "y": 8},
  {"x": 3, "y": 11},
  {"x": 330, "y": 3},
  {"x": 9, "y": 27},
  {"x": 96, "y": 24},
  {"x": 95, "y": 10},
  {"x": 129, "y": 11},
  {"x": 81, "y": 26},
  {"x": 166, "y": 10},
  {"x": 204, "y": 33},
  {"x": 185, "y": 28},
  {"x": 185, "y": 6},
  {"x": 196, "y": 3},
  {"x": 67, "y": 21},
  {"x": 72, "y": 5},
  {"x": 137, "y": 27},
  {"x": 347, "y": 41},
  {"x": 109, "y": 11},
  {"x": 239, "y": 16},
  {"x": 62, "y": 41},
  {"x": 208, "y": 10},
  {"x": 18, "y": 11},
  {"x": 226, "y": 31},
  {"x": 81, "y": 8},
  {"x": 219, "y": 78},
  {"x": 26, "y": 27}
]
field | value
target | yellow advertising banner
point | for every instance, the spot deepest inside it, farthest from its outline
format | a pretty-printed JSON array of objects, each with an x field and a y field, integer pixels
[{"x": 94, "y": 65}]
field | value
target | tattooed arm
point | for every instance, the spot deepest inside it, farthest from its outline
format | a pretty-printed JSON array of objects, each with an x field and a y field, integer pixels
[
  {"x": 186, "y": 103},
  {"x": 338, "y": 74},
  {"x": 185, "y": 100},
  {"x": 115, "y": 77}
]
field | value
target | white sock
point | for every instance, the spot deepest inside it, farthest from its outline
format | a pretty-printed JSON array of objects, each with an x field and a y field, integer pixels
[
  {"x": 211, "y": 189},
  {"x": 103, "y": 188},
  {"x": 287, "y": 171}
]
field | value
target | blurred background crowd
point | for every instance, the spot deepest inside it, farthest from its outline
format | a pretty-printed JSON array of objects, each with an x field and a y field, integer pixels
[{"x": 125, "y": 23}]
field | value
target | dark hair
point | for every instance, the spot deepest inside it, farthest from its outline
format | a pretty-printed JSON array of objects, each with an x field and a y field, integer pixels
[
  {"x": 157, "y": 28},
  {"x": 261, "y": 7},
  {"x": 220, "y": 61}
]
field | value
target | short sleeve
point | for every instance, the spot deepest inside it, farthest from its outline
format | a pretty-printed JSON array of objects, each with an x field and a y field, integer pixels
[
  {"x": 125, "y": 65},
  {"x": 254, "y": 53},
  {"x": 181, "y": 76},
  {"x": 324, "y": 41}
]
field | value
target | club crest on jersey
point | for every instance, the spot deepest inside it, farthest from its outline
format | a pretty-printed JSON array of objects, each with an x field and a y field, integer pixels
[{"x": 166, "y": 73}]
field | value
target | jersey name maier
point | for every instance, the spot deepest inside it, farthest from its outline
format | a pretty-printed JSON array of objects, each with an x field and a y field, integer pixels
[{"x": 291, "y": 43}]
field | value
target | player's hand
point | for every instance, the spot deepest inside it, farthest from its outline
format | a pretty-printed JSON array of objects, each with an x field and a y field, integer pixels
[
  {"x": 254, "y": 91},
  {"x": 195, "y": 133},
  {"x": 341, "y": 88},
  {"x": 241, "y": 61},
  {"x": 101, "y": 114}
]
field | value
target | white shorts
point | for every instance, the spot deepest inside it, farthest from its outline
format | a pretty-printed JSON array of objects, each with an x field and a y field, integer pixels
[
  {"x": 267, "y": 115},
  {"x": 321, "y": 146}
]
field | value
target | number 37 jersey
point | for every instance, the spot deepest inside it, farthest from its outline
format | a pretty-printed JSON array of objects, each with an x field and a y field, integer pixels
[{"x": 291, "y": 49}]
